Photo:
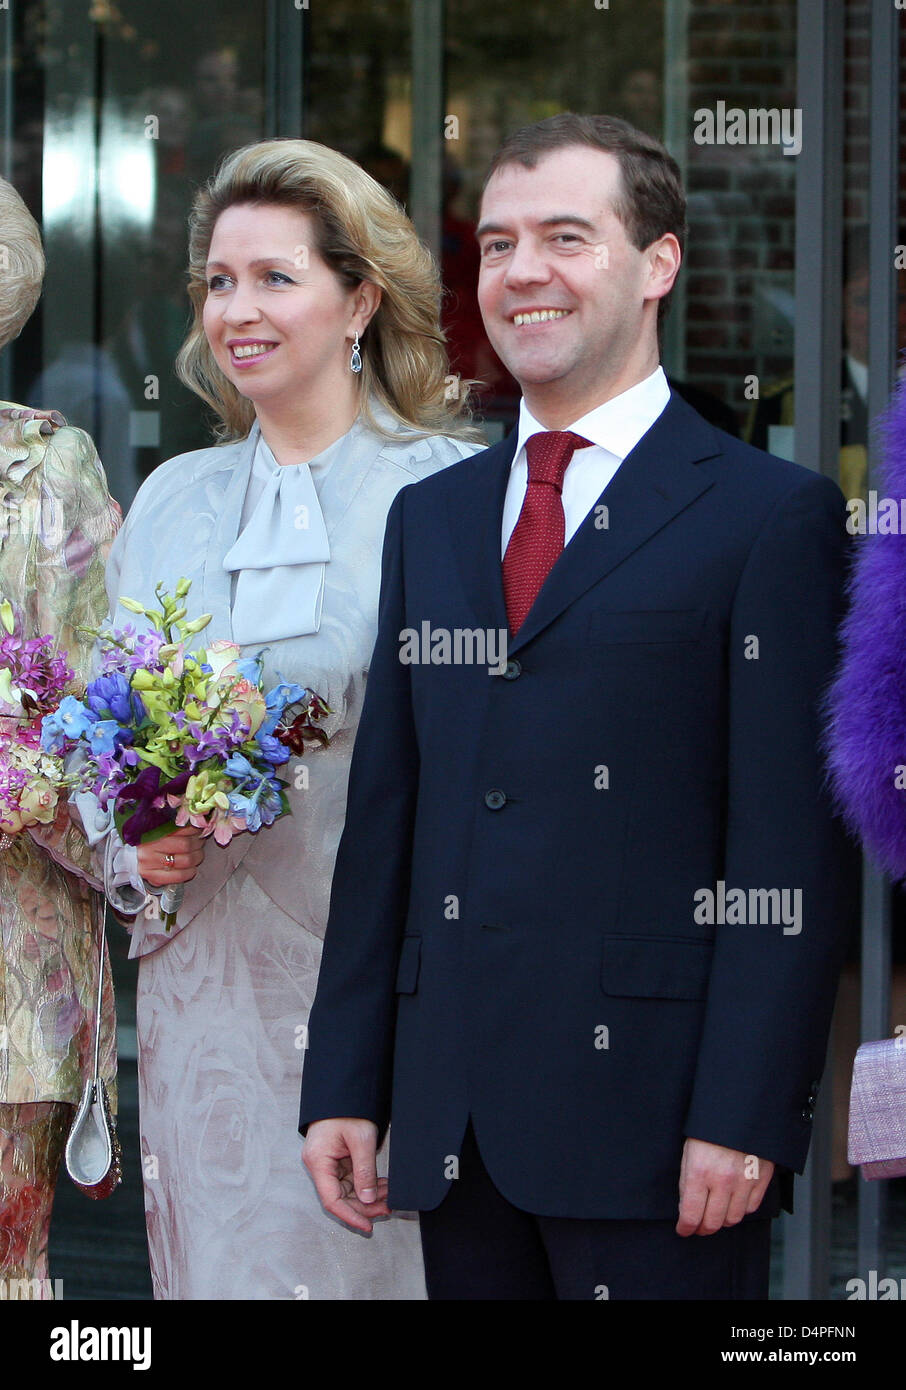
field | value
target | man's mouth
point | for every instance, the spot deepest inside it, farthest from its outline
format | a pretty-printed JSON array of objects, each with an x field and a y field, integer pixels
[{"x": 539, "y": 316}]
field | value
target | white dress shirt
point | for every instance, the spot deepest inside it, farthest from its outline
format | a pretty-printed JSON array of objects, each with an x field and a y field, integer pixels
[{"x": 614, "y": 429}]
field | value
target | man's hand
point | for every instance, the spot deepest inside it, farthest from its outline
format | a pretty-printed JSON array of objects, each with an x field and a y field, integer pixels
[
  {"x": 341, "y": 1156},
  {"x": 173, "y": 858},
  {"x": 718, "y": 1187}
]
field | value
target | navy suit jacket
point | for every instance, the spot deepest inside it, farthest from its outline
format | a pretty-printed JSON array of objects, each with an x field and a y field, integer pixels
[{"x": 517, "y": 927}]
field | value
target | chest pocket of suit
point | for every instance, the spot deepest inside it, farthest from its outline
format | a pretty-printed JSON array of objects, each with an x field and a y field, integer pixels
[
  {"x": 410, "y": 962},
  {"x": 646, "y": 626},
  {"x": 655, "y": 967}
]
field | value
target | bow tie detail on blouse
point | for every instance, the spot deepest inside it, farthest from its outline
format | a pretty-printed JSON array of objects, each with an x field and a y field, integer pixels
[{"x": 279, "y": 556}]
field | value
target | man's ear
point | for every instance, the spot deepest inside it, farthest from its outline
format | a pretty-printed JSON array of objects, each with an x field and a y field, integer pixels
[{"x": 664, "y": 260}]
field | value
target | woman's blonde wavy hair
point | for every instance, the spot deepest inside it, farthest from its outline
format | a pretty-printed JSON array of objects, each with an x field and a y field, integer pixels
[
  {"x": 21, "y": 264},
  {"x": 362, "y": 234}
]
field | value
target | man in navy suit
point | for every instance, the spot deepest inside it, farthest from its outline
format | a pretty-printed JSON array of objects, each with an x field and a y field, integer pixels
[{"x": 590, "y": 902}]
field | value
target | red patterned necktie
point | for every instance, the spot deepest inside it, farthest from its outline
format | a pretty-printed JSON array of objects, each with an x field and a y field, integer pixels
[{"x": 538, "y": 536}]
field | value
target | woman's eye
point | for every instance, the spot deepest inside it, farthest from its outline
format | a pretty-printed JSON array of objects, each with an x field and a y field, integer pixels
[
  {"x": 217, "y": 282},
  {"x": 277, "y": 277}
]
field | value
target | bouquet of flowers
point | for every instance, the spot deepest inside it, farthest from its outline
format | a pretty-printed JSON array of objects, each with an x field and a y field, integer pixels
[
  {"x": 169, "y": 736},
  {"x": 34, "y": 677}
]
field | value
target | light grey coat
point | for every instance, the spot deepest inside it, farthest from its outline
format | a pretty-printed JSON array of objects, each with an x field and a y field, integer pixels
[{"x": 223, "y": 1000}]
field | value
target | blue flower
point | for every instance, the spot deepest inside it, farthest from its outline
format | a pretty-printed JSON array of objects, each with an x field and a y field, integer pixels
[
  {"x": 262, "y": 807},
  {"x": 110, "y": 696},
  {"x": 275, "y": 702},
  {"x": 249, "y": 668},
  {"x": 247, "y": 808},
  {"x": 283, "y": 694},
  {"x": 271, "y": 803},
  {"x": 107, "y": 735},
  {"x": 71, "y": 720},
  {"x": 239, "y": 767},
  {"x": 272, "y": 750}
]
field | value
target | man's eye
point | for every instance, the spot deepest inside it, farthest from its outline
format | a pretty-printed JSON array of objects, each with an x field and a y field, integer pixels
[{"x": 495, "y": 248}]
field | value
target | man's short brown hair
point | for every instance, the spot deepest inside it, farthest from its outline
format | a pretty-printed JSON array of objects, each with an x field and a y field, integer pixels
[{"x": 652, "y": 202}]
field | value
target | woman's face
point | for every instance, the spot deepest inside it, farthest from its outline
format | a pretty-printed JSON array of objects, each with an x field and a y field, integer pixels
[{"x": 279, "y": 322}]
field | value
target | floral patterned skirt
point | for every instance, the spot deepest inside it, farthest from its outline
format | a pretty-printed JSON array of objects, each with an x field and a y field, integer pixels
[{"x": 32, "y": 1140}]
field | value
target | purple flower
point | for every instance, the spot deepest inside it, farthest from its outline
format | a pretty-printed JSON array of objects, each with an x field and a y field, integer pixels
[
  {"x": 209, "y": 743},
  {"x": 215, "y": 742},
  {"x": 109, "y": 778},
  {"x": 147, "y": 649},
  {"x": 124, "y": 652},
  {"x": 35, "y": 664},
  {"x": 151, "y": 807}
]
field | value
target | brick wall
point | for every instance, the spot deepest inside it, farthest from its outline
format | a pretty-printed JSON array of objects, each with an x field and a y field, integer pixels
[
  {"x": 856, "y": 112},
  {"x": 742, "y": 198}
]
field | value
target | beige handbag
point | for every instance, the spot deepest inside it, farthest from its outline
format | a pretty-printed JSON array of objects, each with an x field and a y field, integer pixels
[{"x": 93, "y": 1153}]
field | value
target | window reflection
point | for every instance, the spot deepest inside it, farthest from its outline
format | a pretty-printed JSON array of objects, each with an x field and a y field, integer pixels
[
  {"x": 732, "y": 317},
  {"x": 201, "y": 76}
]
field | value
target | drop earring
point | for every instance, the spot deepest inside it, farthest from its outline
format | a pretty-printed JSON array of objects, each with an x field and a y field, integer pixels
[{"x": 355, "y": 360}]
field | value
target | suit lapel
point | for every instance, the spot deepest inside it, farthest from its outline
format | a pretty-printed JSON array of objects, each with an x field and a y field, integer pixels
[
  {"x": 654, "y": 483},
  {"x": 476, "y": 513}
]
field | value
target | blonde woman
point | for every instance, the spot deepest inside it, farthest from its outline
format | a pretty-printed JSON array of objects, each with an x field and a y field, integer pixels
[
  {"x": 57, "y": 521},
  {"x": 316, "y": 342}
]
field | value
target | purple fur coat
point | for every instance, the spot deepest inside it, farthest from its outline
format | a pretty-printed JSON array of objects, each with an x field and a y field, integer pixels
[{"x": 866, "y": 705}]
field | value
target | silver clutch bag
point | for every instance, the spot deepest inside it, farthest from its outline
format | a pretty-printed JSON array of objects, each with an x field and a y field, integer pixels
[
  {"x": 877, "y": 1109},
  {"x": 93, "y": 1153}
]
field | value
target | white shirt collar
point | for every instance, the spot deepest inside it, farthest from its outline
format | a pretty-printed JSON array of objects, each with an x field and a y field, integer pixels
[
  {"x": 618, "y": 424},
  {"x": 859, "y": 373}
]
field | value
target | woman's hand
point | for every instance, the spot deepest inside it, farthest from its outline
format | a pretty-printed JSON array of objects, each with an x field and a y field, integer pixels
[{"x": 173, "y": 859}]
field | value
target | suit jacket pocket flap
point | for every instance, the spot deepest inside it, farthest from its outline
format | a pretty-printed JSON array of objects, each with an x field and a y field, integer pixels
[
  {"x": 684, "y": 625},
  {"x": 410, "y": 959},
  {"x": 655, "y": 967}
]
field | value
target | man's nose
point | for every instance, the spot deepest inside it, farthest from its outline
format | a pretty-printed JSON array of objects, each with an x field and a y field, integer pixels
[{"x": 527, "y": 265}]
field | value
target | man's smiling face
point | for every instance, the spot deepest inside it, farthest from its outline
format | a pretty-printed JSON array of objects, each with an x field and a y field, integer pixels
[{"x": 562, "y": 289}]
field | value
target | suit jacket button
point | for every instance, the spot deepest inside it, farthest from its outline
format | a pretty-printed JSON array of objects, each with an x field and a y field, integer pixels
[
  {"x": 806, "y": 1114},
  {"x": 513, "y": 670},
  {"x": 495, "y": 799}
]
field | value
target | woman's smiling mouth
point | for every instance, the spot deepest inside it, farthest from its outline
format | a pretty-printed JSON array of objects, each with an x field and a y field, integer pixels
[{"x": 243, "y": 353}]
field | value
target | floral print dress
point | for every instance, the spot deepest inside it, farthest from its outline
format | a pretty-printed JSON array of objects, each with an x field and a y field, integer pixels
[{"x": 57, "y": 522}]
